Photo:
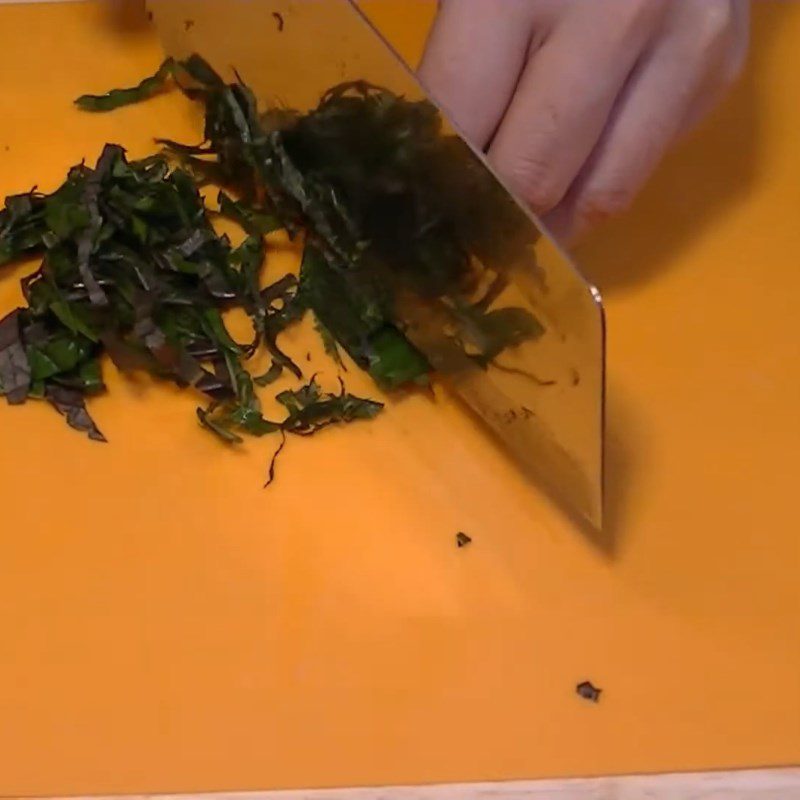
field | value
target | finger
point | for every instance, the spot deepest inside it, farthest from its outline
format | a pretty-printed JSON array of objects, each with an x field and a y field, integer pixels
[
  {"x": 730, "y": 70},
  {"x": 566, "y": 93},
  {"x": 473, "y": 60},
  {"x": 648, "y": 116}
]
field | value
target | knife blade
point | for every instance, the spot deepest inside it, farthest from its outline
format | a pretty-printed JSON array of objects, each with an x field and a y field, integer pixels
[{"x": 543, "y": 399}]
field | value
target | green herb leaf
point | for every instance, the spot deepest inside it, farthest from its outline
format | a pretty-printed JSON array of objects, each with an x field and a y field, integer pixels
[
  {"x": 394, "y": 361},
  {"x": 270, "y": 376},
  {"x": 88, "y": 378},
  {"x": 274, "y": 460},
  {"x": 221, "y": 430},
  {"x": 311, "y": 410},
  {"x": 492, "y": 332},
  {"x": 134, "y": 268},
  {"x": 329, "y": 343},
  {"x": 70, "y": 404},
  {"x": 22, "y": 226},
  {"x": 117, "y": 98},
  {"x": 252, "y": 220},
  {"x": 61, "y": 353},
  {"x": 15, "y": 370},
  {"x": 354, "y": 317}
]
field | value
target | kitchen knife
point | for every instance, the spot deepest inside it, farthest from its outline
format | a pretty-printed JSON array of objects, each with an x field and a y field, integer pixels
[{"x": 544, "y": 398}]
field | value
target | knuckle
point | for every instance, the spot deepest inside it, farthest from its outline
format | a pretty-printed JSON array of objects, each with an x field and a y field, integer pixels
[
  {"x": 731, "y": 73},
  {"x": 740, "y": 42},
  {"x": 537, "y": 185},
  {"x": 735, "y": 64},
  {"x": 601, "y": 202},
  {"x": 658, "y": 131},
  {"x": 641, "y": 15},
  {"x": 535, "y": 171},
  {"x": 716, "y": 21}
]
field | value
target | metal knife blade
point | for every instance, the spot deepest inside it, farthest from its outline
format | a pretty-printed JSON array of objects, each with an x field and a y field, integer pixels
[{"x": 544, "y": 398}]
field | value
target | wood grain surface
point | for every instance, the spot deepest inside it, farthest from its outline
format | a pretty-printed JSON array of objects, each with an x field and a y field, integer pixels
[{"x": 745, "y": 785}]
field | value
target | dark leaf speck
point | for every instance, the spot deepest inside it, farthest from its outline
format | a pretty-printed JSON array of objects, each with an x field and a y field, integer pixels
[
  {"x": 588, "y": 691},
  {"x": 462, "y": 540}
]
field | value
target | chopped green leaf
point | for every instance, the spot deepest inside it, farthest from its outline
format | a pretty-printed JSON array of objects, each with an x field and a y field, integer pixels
[
  {"x": 492, "y": 332},
  {"x": 70, "y": 404},
  {"x": 133, "y": 267},
  {"x": 270, "y": 376},
  {"x": 252, "y": 220},
  {"x": 394, "y": 361},
  {"x": 117, "y": 98},
  {"x": 329, "y": 343},
  {"x": 274, "y": 460},
  {"x": 311, "y": 410},
  {"x": 462, "y": 540},
  {"x": 15, "y": 370},
  {"x": 207, "y": 420}
]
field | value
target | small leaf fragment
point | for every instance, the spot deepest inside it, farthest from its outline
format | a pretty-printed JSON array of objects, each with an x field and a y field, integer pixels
[
  {"x": 254, "y": 221},
  {"x": 311, "y": 410},
  {"x": 588, "y": 691},
  {"x": 207, "y": 421},
  {"x": 70, "y": 404},
  {"x": 329, "y": 343},
  {"x": 273, "y": 461},
  {"x": 270, "y": 376},
  {"x": 116, "y": 98},
  {"x": 15, "y": 370}
]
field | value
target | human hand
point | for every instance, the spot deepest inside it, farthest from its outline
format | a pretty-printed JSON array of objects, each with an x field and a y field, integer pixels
[{"x": 576, "y": 101}]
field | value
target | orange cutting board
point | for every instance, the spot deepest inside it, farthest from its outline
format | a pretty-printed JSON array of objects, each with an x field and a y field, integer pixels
[{"x": 167, "y": 625}]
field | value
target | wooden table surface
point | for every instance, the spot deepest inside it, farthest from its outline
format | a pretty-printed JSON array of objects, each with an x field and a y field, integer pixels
[{"x": 176, "y": 628}]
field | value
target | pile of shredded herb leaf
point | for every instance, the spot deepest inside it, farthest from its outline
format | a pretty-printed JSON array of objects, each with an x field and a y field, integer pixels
[{"x": 132, "y": 267}]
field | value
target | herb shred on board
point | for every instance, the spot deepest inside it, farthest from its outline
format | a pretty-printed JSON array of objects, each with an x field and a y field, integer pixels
[{"x": 132, "y": 267}]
